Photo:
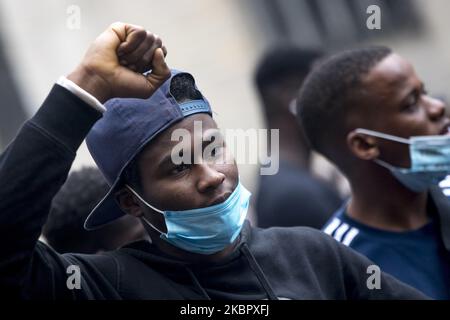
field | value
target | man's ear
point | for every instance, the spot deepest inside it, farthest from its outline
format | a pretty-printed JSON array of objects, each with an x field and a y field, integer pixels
[
  {"x": 362, "y": 146},
  {"x": 128, "y": 202}
]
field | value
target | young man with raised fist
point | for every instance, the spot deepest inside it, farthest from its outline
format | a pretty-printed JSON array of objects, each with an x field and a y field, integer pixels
[{"x": 194, "y": 211}]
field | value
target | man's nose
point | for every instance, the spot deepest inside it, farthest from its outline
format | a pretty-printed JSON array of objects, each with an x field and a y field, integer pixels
[
  {"x": 209, "y": 179},
  {"x": 435, "y": 108}
]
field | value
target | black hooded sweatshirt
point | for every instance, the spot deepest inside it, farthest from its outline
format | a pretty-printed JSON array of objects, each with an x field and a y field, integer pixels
[{"x": 275, "y": 263}]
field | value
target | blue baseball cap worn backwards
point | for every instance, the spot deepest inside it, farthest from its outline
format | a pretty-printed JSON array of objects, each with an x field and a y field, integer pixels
[{"x": 125, "y": 128}]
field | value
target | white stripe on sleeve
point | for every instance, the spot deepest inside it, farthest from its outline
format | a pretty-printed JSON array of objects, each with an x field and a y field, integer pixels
[
  {"x": 329, "y": 229},
  {"x": 340, "y": 231},
  {"x": 350, "y": 236}
]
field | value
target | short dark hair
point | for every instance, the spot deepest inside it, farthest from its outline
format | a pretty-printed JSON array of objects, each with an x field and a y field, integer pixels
[
  {"x": 325, "y": 97},
  {"x": 283, "y": 61},
  {"x": 182, "y": 88},
  {"x": 70, "y": 207}
]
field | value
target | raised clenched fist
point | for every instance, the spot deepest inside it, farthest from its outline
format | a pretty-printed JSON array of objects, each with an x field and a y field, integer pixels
[{"x": 115, "y": 62}]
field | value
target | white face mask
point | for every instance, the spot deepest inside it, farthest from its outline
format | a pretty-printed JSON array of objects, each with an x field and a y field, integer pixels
[{"x": 430, "y": 160}]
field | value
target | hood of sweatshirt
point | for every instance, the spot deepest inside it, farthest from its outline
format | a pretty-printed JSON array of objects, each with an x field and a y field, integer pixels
[{"x": 237, "y": 276}]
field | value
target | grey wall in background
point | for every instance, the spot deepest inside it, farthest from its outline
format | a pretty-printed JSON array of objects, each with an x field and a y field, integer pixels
[{"x": 12, "y": 113}]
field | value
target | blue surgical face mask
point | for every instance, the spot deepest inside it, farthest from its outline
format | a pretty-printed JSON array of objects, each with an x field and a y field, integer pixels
[
  {"x": 205, "y": 230},
  {"x": 430, "y": 160}
]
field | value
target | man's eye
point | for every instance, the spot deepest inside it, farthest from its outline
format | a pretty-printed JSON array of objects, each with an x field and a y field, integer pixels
[
  {"x": 411, "y": 103},
  {"x": 180, "y": 168},
  {"x": 217, "y": 151}
]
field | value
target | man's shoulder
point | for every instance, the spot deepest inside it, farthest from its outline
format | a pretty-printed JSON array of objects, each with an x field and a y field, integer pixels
[
  {"x": 298, "y": 239},
  {"x": 113, "y": 260},
  {"x": 112, "y": 264},
  {"x": 105, "y": 263},
  {"x": 342, "y": 228}
]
